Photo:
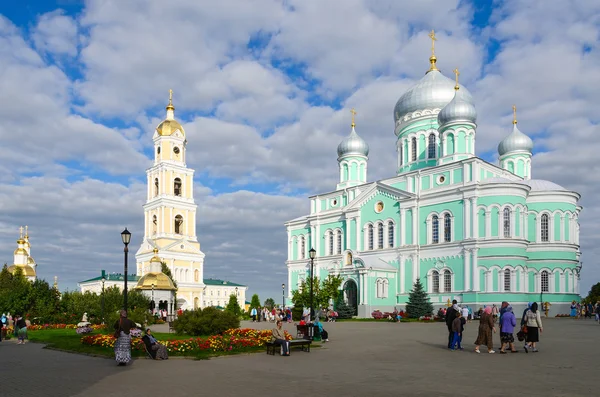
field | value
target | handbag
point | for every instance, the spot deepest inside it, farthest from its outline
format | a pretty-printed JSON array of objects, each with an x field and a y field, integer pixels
[{"x": 118, "y": 330}]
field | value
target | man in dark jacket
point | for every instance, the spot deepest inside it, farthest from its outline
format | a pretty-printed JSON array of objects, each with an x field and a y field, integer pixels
[{"x": 450, "y": 316}]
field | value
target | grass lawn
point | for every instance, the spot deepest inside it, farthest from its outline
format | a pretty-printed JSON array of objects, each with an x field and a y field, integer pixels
[{"x": 69, "y": 340}]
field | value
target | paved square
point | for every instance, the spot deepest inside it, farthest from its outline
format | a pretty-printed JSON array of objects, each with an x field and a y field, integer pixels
[{"x": 362, "y": 359}]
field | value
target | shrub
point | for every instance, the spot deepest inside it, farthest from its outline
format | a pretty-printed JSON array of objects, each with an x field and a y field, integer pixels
[
  {"x": 207, "y": 321},
  {"x": 297, "y": 313}
]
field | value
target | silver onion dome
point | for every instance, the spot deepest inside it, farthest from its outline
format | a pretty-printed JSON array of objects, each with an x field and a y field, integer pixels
[
  {"x": 353, "y": 144},
  {"x": 433, "y": 91},
  {"x": 460, "y": 108},
  {"x": 514, "y": 142}
]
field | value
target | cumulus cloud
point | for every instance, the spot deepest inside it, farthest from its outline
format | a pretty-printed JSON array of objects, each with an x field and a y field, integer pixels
[{"x": 56, "y": 33}]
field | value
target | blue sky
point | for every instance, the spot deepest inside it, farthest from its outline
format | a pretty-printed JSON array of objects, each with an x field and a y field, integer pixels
[{"x": 264, "y": 89}]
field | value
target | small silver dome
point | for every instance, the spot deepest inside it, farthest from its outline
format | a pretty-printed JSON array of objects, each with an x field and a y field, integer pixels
[
  {"x": 542, "y": 185},
  {"x": 433, "y": 91},
  {"x": 515, "y": 141},
  {"x": 353, "y": 144},
  {"x": 459, "y": 109}
]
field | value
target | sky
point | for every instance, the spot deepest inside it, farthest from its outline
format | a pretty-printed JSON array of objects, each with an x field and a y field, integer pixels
[{"x": 264, "y": 90}]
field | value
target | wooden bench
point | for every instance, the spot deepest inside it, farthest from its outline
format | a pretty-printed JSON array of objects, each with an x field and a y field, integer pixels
[{"x": 304, "y": 344}]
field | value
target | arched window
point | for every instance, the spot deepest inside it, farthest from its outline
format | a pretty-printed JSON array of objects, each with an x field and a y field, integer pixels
[
  {"x": 378, "y": 288},
  {"x": 390, "y": 234},
  {"x": 435, "y": 282},
  {"x": 370, "y": 236},
  {"x": 507, "y": 280},
  {"x": 431, "y": 146},
  {"x": 177, "y": 187},
  {"x": 506, "y": 221},
  {"x": 447, "y": 228},
  {"x": 302, "y": 247},
  {"x": 178, "y": 224},
  {"x": 435, "y": 229},
  {"x": 384, "y": 288},
  {"x": 196, "y": 275},
  {"x": 339, "y": 242},
  {"x": 545, "y": 282},
  {"x": 447, "y": 281},
  {"x": 544, "y": 228},
  {"x": 380, "y": 235},
  {"x": 330, "y": 238},
  {"x": 156, "y": 186},
  {"x": 401, "y": 153},
  {"x": 413, "y": 144},
  {"x": 154, "y": 224}
]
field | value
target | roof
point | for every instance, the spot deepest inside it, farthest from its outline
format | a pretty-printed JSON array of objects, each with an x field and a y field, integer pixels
[
  {"x": 112, "y": 277},
  {"x": 213, "y": 281}
]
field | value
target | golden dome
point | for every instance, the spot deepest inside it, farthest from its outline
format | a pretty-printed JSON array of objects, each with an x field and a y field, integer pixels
[
  {"x": 160, "y": 280},
  {"x": 30, "y": 261},
  {"x": 21, "y": 241},
  {"x": 168, "y": 127},
  {"x": 27, "y": 270},
  {"x": 155, "y": 258},
  {"x": 20, "y": 251}
]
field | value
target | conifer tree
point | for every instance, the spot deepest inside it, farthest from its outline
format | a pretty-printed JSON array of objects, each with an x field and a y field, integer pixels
[
  {"x": 418, "y": 304},
  {"x": 342, "y": 308}
]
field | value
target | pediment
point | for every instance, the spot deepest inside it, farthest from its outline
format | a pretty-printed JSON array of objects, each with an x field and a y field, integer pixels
[{"x": 378, "y": 188}]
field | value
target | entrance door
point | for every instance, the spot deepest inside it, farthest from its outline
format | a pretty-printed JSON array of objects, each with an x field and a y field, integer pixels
[{"x": 351, "y": 295}]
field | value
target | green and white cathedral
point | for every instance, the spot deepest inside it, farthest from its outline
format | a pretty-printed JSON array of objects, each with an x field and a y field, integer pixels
[{"x": 469, "y": 230}]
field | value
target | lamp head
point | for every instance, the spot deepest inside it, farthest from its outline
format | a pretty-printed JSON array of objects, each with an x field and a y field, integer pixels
[
  {"x": 282, "y": 286},
  {"x": 126, "y": 236},
  {"x": 312, "y": 253}
]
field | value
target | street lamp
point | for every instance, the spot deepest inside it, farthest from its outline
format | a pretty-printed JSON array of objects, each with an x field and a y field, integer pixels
[
  {"x": 312, "y": 253},
  {"x": 103, "y": 281},
  {"x": 126, "y": 237},
  {"x": 283, "y": 296}
]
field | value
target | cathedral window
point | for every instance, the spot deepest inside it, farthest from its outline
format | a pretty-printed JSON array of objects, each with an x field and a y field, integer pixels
[
  {"x": 447, "y": 281},
  {"x": 154, "y": 224},
  {"x": 380, "y": 236},
  {"x": 330, "y": 238},
  {"x": 196, "y": 275},
  {"x": 302, "y": 247},
  {"x": 506, "y": 223},
  {"x": 435, "y": 282},
  {"x": 544, "y": 227},
  {"x": 401, "y": 153},
  {"x": 435, "y": 229},
  {"x": 177, "y": 187},
  {"x": 370, "y": 236},
  {"x": 413, "y": 144},
  {"x": 178, "y": 224},
  {"x": 156, "y": 186},
  {"x": 339, "y": 242},
  {"x": 507, "y": 280},
  {"x": 390, "y": 234},
  {"x": 447, "y": 228},
  {"x": 545, "y": 283},
  {"x": 431, "y": 146}
]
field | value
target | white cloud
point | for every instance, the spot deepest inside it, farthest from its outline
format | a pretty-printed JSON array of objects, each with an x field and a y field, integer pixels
[{"x": 56, "y": 33}]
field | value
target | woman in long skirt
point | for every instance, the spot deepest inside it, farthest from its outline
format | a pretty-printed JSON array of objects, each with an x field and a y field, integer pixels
[
  {"x": 123, "y": 343},
  {"x": 484, "y": 335}
]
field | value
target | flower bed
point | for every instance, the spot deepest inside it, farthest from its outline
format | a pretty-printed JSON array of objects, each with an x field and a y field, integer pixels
[
  {"x": 35, "y": 327},
  {"x": 84, "y": 330},
  {"x": 230, "y": 341},
  {"x": 563, "y": 315}
]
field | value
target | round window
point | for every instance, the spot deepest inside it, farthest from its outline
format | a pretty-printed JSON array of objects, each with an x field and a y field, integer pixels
[
  {"x": 158, "y": 150},
  {"x": 441, "y": 179},
  {"x": 334, "y": 202},
  {"x": 379, "y": 206},
  {"x": 176, "y": 150}
]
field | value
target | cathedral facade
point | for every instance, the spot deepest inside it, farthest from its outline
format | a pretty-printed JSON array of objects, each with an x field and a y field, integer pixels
[{"x": 468, "y": 230}]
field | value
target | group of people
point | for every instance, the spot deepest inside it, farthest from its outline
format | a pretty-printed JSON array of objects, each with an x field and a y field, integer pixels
[
  {"x": 20, "y": 327},
  {"x": 123, "y": 327},
  {"x": 530, "y": 327},
  {"x": 271, "y": 315},
  {"x": 279, "y": 338},
  {"x": 585, "y": 310}
]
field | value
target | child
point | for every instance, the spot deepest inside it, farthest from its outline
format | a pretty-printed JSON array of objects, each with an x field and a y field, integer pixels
[{"x": 457, "y": 328}]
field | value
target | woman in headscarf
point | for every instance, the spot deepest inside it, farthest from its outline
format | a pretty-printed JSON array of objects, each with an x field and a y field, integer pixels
[
  {"x": 123, "y": 327},
  {"x": 157, "y": 350},
  {"x": 534, "y": 327},
  {"x": 484, "y": 335},
  {"x": 507, "y": 327},
  {"x": 573, "y": 309}
]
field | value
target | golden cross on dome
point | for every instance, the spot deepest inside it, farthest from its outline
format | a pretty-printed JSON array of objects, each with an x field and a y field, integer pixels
[
  {"x": 433, "y": 39},
  {"x": 353, "y": 114},
  {"x": 456, "y": 73},
  {"x": 170, "y": 96},
  {"x": 21, "y": 231},
  {"x": 514, "y": 114},
  {"x": 26, "y": 231}
]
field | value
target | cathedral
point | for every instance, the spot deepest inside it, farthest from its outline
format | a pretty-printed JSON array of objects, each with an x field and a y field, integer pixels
[
  {"x": 170, "y": 233},
  {"x": 469, "y": 230},
  {"x": 22, "y": 257}
]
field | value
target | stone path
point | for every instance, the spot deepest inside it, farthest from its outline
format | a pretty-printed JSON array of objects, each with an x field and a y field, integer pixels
[{"x": 362, "y": 359}]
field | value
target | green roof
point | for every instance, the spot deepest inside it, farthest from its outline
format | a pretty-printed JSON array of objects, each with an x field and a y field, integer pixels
[
  {"x": 113, "y": 277},
  {"x": 213, "y": 281}
]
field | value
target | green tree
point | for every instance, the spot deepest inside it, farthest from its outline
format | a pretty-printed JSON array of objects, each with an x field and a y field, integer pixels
[
  {"x": 255, "y": 302},
  {"x": 342, "y": 308},
  {"x": 323, "y": 292},
  {"x": 594, "y": 294},
  {"x": 270, "y": 303},
  {"x": 233, "y": 307},
  {"x": 418, "y": 304}
]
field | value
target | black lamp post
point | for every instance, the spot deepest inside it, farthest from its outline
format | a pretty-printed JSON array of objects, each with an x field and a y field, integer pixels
[
  {"x": 312, "y": 253},
  {"x": 102, "y": 308},
  {"x": 283, "y": 296},
  {"x": 126, "y": 237},
  {"x": 152, "y": 305}
]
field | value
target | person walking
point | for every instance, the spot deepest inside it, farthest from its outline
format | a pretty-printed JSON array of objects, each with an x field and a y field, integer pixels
[
  {"x": 253, "y": 314},
  {"x": 20, "y": 329},
  {"x": 534, "y": 327},
  {"x": 598, "y": 312},
  {"x": 484, "y": 334},
  {"x": 508, "y": 323},
  {"x": 457, "y": 332},
  {"x": 123, "y": 328},
  {"x": 450, "y": 316}
]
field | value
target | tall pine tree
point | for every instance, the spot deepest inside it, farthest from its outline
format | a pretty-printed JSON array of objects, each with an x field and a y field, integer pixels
[{"x": 418, "y": 304}]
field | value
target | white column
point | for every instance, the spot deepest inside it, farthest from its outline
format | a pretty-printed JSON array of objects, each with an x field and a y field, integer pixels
[
  {"x": 402, "y": 273},
  {"x": 475, "y": 270},
  {"x": 366, "y": 283},
  {"x": 361, "y": 282},
  {"x": 561, "y": 286},
  {"x": 467, "y": 218},
  {"x": 562, "y": 228},
  {"x": 415, "y": 266},
  {"x": 402, "y": 226},
  {"x": 551, "y": 282},
  {"x": 415, "y": 221},
  {"x": 358, "y": 234},
  {"x": 346, "y": 242},
  {"x": 467, "y": 259},
  {"x": 474, "y": 221}
]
